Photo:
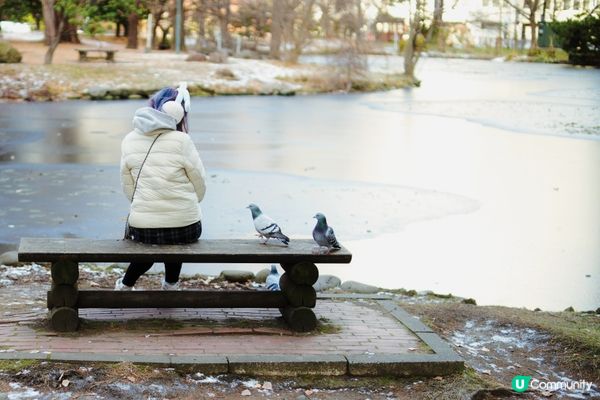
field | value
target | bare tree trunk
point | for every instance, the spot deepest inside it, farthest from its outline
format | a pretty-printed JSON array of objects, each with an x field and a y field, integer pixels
[
  {"x": 300, "y": 38},
  {"x": 201, "y": 19},
  {"x": 533, "y": 28},
  {"x": 69, "y": 33},
  {"x": 54, "y": 43},
  {"x": 411, "y": 53},
  {"x": 224, "y": 24},
  {"x": 438, "y": 13},
  {"x": 132, "y": 31},
  {"x": 276, "y": 30},
  {"x": 49, "y": 21}
]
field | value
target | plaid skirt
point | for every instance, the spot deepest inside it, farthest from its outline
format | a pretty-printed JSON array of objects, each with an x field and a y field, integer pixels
[{"x": 182, "y": 235}]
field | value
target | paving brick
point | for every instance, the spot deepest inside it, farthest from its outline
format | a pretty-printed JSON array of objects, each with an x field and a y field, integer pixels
[{"x": 363, "y": 328}]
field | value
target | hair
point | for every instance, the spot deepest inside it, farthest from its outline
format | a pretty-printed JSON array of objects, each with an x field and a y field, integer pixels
[{"x": 161, "y": 97}]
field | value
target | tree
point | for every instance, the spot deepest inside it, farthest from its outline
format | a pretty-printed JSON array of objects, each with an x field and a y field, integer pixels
[
  {"x": 276, "y": 30},
  {"x": 18, "y": 10},
  {"x": 580, "y": 37},
  {"x": 297, "y": 23},
  {"x": 415, "y": 43},
  {"x": 529, "y": 10}
]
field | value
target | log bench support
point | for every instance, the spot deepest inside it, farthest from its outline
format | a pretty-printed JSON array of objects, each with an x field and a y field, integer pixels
[
  {"x": 63, "y": 296},
  {"x": 296, "y": 299},
  {"x": 296, "y": 286}
]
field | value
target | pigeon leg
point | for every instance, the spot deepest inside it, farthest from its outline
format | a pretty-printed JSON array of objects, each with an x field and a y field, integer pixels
[{"x": 266, "y": 240}]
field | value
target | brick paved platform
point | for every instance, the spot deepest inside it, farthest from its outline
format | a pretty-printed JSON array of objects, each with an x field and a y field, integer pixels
[{"x": 355, "y": 336}]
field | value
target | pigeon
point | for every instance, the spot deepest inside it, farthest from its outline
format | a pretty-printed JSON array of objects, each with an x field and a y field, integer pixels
[
  {"x": 266, "y": 227},
  {"x": 324, "y": 235},
  {"x": 272, "y": 281}
]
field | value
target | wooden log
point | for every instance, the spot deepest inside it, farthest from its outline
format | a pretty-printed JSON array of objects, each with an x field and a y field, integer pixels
[
  {"x": 180, "y": 299},
  {"x": 64, "y": 319},
  {"x": 303, "y": 273},
  {"x": 297, "y": 295},
  {"x": 62, "y": 296},
  {"x": 64, "y": 272},
  {"x": 300, "y": 319}
]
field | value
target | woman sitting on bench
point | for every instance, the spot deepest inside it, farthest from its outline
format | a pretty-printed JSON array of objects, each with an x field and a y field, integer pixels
[{"x": 164, "y": 179}]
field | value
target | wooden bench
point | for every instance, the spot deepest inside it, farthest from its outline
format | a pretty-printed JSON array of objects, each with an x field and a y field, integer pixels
[
  {"x": 109, "y": 54},
  {"x": 295, "y": 300}
]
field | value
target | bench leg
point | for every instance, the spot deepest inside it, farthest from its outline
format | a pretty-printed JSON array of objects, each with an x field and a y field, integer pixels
[
  {"x": 62, "y": 298},
  {"x": 296, "y": 286},
  {"x": 300, "y": 319}
]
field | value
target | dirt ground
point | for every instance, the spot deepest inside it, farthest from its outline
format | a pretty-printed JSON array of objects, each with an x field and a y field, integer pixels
[{"x": 496, "y": 342}]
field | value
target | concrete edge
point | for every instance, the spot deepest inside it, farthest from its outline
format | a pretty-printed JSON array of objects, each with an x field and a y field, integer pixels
[
  {"x": 402, "y": 365},
  {"x": 412, "y": 323},
  {"x": 288, "y": 364}
]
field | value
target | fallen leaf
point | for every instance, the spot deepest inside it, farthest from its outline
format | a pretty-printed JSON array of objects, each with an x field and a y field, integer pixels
[
  {"x": 438, "y": 378},
  {"x": 131, "y": 379},
  {"x": 65, "y": 383},
  {"x": 486, "y": 371},
  {"x": 308, "y": 392}
]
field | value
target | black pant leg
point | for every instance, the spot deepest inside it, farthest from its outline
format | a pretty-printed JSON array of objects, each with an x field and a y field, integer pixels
[
  {"x": 134, "y": 271},
  {"x": 172, "y": 271}
]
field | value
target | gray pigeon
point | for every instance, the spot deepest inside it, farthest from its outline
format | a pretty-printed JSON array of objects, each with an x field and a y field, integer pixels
[
  {"x": 266, "y": 227},
  {"x": 272, "y": 282},
  {"x": 324, "y": 235}
]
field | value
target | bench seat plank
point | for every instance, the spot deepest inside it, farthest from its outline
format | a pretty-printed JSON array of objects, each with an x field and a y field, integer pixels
[{"x": 204, "y": 251}]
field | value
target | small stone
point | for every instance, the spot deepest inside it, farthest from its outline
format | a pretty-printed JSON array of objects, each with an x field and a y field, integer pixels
[
  {"x": 98, "y": 92},
  {"x": 570, "y": 309},
  {"x": 438, "y": 378},
  {"x": 225, "y": 73},
  {"x": 217, "y": 57},
  {"x": 236, "y": 276},
  {"x": 199, "y": 57},
  {"x": 469, "y": 301},
  {"x": 65, "y": 383},
  {"x": 261, "y": 276},
  {"x": 246, "y": 393},
  {"x": 537, "y": 309},
  {"x": 308, "y": 392},
  {"x": 327, "y": 282},
  {"x": 267, "y": 386},
  {"x": 10, "y": 258},
  {"x": 357, "y": 287}
]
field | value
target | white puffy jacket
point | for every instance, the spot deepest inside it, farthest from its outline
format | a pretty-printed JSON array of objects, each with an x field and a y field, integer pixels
[{"x": 172, "y": 182}]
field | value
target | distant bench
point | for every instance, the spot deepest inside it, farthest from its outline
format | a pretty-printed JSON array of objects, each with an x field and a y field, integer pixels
[
  {"x": 109, "y": 54},
  {"x": 295, "y": 300}
]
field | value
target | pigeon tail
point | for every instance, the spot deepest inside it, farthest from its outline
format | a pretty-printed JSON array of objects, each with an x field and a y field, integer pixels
[{"x": 281, "y": 237}]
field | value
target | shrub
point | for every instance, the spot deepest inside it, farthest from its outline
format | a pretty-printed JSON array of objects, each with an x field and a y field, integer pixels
[
  {"x": 9, "y": 54},
  {"x": 580, "y": 38}
]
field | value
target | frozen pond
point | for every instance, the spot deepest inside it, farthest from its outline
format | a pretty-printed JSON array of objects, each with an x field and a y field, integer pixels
[{"x": 484, "y": 182}]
